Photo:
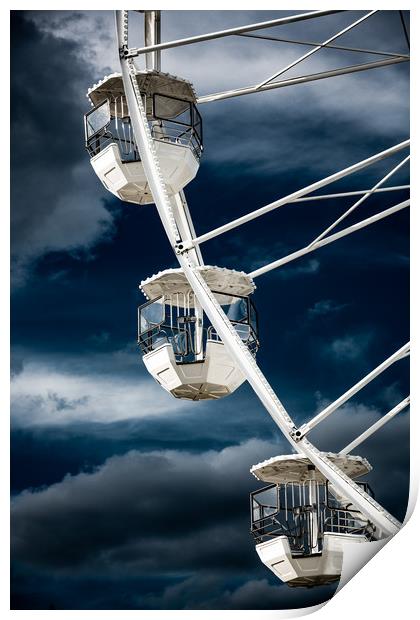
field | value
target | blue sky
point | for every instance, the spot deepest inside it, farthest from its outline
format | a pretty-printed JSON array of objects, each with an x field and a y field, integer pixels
[{"x": 121, "y": 498}]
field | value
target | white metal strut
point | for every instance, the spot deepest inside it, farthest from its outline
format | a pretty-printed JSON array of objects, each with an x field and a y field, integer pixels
[
  {"x": 344, "y": 48},
  {"x": 375, "y": 427},
  {"x": 322, "y": 415},
  {"x": 326, "y": 240},
  {"x": 394, "y": 188},
  {"x": 226, "y": 33},
  {"x": 302, "y": 79},
  {"x": 299, "y": 193},
  {"x": 316, "y": 49},
  {"x": 385, "y": 523},
  {"x": 361, "y": 200}
]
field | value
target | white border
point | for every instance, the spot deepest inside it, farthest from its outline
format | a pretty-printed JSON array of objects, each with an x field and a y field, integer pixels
[{"x": 387, "y": 586}]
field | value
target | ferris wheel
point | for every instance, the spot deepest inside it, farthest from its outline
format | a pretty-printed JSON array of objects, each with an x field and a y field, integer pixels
[{"x": 198, "y": 329}]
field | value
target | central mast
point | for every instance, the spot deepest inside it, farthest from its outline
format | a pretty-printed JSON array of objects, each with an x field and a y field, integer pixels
[{"x": 152, "y": 37}]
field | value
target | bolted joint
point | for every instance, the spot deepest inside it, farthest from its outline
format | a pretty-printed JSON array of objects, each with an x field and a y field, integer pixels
[
  {"x": 180, "y": 248},
  {"x": 296, "y": 434},
  {"x": 124, "y": 51}
]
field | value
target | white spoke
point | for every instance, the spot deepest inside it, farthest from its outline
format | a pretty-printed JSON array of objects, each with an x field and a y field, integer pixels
[
  {"x": 316, "y": 49},
  {"x": 303, "y": 79},
  {"x": 360, "y": 201},
  {"x": 375, "y": 427},
  {"x": 396, "y": 188},
  {"x": 322, "y": 415},
  {"x": 330, "y": 239},
  {"x": 344, "y": 48},
  {"x": 226, "y": 33},
  {"x": 302, "y": 192}
]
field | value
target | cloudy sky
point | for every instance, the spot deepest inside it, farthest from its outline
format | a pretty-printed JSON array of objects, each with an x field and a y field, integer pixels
[{"x": 123, "y": 497}]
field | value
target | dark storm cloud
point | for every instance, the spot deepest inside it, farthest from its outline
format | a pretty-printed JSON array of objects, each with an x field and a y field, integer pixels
[
  {"x": 137, "y": 512},
  {"x": 202, "y": 591},
  {"x": 179, "y": 515},
  {"x": 111, "y": 395},
  {"x": 44, "y": 394},
  {"x": 212, "y": 592},
  {"x": 57, "y": 204},
  {"x": 43, "y": 455}
]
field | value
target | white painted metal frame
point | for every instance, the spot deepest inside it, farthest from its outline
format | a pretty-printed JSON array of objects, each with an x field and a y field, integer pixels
[
  {"x": 269, "y": 82},
  {"x": 302, "y": 79},
  {"x": 152, "y": 37},
  {"x": 316, "y": 49},
  {"x": 386, "y": 524},
  {"x": 375, "y": 427},
  {"x": 320, "y": 244},
  {"x": 394, "y": 188},
  {"x": 360, "y": 201},
  {"x": 322, "y": 415},
  {"x": 298, "y": 194},
  {"x": 344, "y": 48},
  {"x": 132, "y": 53}
]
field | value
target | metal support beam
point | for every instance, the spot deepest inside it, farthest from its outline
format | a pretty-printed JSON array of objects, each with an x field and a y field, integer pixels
[
  {"x": 372, "y": 429},
  {"x": 319, "y": 244},
  {"x": 344, "y": 48},
  {"x": 301, "y": 192},
  {"x": 158, "y": 40},
  {"x": 141, "y": 129},
  {"x": 316, "y": 49},
  {"x": 303, "y": 79},
  {"x": 186, "y": 230},
  {"x": 152, "y": 37},
  {"x": 309, "y": 426},
  {"x": 360, "y": 201},
  {"x": 227, "y": 33},
  {"x": 395, "y": 188}
]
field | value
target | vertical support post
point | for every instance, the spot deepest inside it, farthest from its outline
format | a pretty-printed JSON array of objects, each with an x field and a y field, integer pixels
[
  {"x": 313, "y": 515},
  {"x": 199, "y": 335},
  {"x": 152, "y": 37},
  {"x": 157, "y": 40},
  {"x": 186, "y": 229}
]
